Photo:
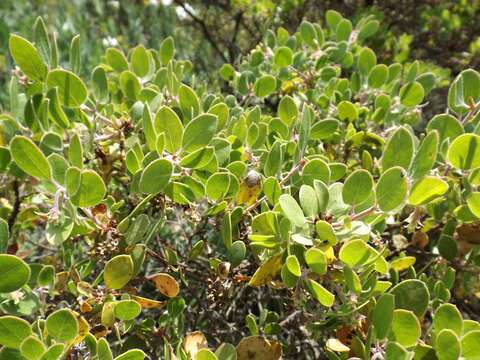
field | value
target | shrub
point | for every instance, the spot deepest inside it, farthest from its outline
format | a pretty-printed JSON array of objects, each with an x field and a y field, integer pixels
[{"x": 307, "y": 210}]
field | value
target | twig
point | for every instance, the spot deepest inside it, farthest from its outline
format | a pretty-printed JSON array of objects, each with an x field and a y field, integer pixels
[
  {"x": 471, "y": 113},
  {"x": 294, "y": 169},
  {"x": 204, "y": 28},
  {"x": 357, "y": 216},
  {"x": 16, "y": 206}
]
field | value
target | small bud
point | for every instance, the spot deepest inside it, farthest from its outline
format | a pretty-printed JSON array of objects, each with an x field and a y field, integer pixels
[
  {"x": 224, "y": 269},
  {"x": 253, "y": 179}
]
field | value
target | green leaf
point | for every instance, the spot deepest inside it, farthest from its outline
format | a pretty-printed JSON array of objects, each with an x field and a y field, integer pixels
[
  {"x": 411, "y": 295},
  {"x": 62, "y": 325},
  {"x": 13, "y": 331},
  {"x": 4, "y": 236},
  {"x": 378, "y": 76},
  {"x": 15, "y": 273},
  {"x": 217, "y": 185},
  {"x": 308, "y": 33},
  {"x": 308, "y": 201},
  {"x": 398, "y": 150},
  {"x": 464, "y": 152},
  {"x": 426, "y": 155},
  {"x": 325, "y": 232},
  {"x": 116, "y": 59},
  {"x": 156, "y": 176},
  {"x": 316, "y": 169},
  {"x": 292, "y": 210},
  {"x": 75, "y": 54},
  {"x": 470, "y": 345},
  {"x": 316, "y": 260},
  {"x": 127, "y": 309},
  {"x": 130, "y": 85},
  {"x": 427, "y": 189},
  {"x": 103, "y": 350},
  {"x": 291, "y": 271},
  {"x": 273, "y": 163},
  {"x": 27, "y": 57},
  {"x": 142, "y": 62},
  {"x": 90, "y": 190},
  {"x": 396, "y": 351},
  {"x": 75, "y": 151},
  {"x": 473, "y": 202},
  {"x": 226, "y": 351},
  {"x": 465, "y": 88},
  {"x": 354, "y": 252},
  {"x": 53, "y": 352},
  {"x": 368, "y": 29},
  {"x": 391, "y": 189},
  {"x": 447, "y": 345},
  {"x": 167, "y": 50},
  {"x": 118, "y": 271},
  {"x": 32, "y": 348},
  {"x": 411, "y": 94},
  {"x": 323, "y": 195},
  {"x": 198, "y": 158},
  {"x": 405, "y": 328},
  {"x": 357, "y": 187},
  {"x": 448, "y": 126},
  {"x": 264, "y": 86},
  {"x": 366, "y": 61},
  {"x": 382, "y": 315},
  {"x": 343, "y": 30},
  {"x": 134, "y": 354},
  {"x": 168, "y": 122},
  {"x": 55, "y": 109},
  {"x": 30, "y": 158},
  {"x": 322, "y": 295},
  {"x": 41, "y": 40},
  {"x": 283, "y": 56},
  {"x": 272, "y": 190},
  {"x": 347, "y": 111},
  {"x": 205, "y": 354},
  {"x": 447, "y": 316},
  {"x": 324, "y": 129},
  {"x": 100, "y": 84},
  {"x": 199, "y": 132},
  {"x": 189, "y": 102},
  {"x": 71, "y": 89},
  {"x": 287, "y": 110}
]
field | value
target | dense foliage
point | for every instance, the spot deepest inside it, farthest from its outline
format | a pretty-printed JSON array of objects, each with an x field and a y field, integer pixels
[{"x": 308, "y": 210}]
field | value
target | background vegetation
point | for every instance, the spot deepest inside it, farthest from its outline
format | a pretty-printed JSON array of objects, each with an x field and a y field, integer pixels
[{"x": 210, "y": 33}]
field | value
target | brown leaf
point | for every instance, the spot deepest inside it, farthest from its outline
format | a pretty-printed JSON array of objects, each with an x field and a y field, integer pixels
[
  {"x": 193, "y": 342},
  {"x": 258, "y": 348},
  {"x": 166, "y": 284}
]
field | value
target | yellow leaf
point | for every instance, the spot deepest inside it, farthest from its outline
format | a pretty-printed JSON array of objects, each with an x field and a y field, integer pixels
[
  {"x": 258, "y": 348},
  {"x": 337, "y": 345},
  {"x": 148, "y": 303},
  {"x": 166, "y": 284},
  {"x": 403, "y": 263},
  {"x": 193, "y": 342},
  {"x": 328, "y": 250},
  {"x": 83, "y": 329},
  {"x": 249, "y": 188},
  {"x": 108, "y": 315},
  {"x": 267, "y": 271}
]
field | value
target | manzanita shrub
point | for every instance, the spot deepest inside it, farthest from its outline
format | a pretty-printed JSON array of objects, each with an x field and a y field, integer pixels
[{"x": 313, "y": 174}]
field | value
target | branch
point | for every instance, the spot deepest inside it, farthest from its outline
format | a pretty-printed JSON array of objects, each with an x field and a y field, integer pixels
[
  {"x": 16, "y": 206},
  {"x": 204, "y": 28}
]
